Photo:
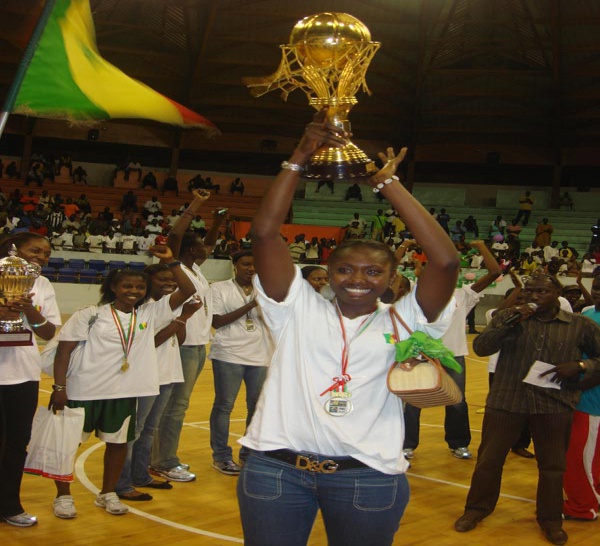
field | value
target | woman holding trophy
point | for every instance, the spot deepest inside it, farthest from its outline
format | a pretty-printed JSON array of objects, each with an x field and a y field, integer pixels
[
  {"x": 327, "y": 434},
  {"x": 20, "y": 362}
]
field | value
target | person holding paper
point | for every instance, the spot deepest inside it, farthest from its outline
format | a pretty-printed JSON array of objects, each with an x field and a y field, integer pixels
[{"x": 553, "y": 336}]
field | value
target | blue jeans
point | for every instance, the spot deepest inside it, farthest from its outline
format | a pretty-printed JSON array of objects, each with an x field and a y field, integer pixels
[
  {"x": 279, "y": 504},
  {"x": 166, "y": 442},
  {"x": 456, "y": 424},
  {"x": 228, "y": 380},
  {"x": 135, "y": 469}
]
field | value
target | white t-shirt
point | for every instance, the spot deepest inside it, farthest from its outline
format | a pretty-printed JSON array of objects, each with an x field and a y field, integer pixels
[
  {"x": 167, "y": 355},
  {"x": 234, "y": 343},
  {"x": 144, "y": 243},
  {"x": 97, "y": 375},
  {"x": 199, "y": 324},
  {"x": 95, "y": 242},
  {"x": 152, "y": 206},
  {"x": 128, "y": 241},
  {"x": 110, "y": 242},
  {"x": 455, "y": 337},
  {"x": 22, "y": 364},
  {"x": 308, "y": 350}
]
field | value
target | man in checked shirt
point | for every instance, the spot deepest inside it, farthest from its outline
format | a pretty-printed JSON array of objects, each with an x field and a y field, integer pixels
[{"x": 552, "y": 336}]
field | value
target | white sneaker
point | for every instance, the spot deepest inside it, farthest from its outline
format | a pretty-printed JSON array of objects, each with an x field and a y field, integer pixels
[
  {"x": 175, "y": 474},
  {"x": 462, "y": 453},
  {"x": 64, "y": 507},
  {"x": 111, "y": 503},
  {"x": 21, "y": 520}
]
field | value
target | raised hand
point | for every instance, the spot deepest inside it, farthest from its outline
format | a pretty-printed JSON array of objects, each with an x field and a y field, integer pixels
[
  {"x": 162, "y": 252},
  {"x": 390, "y": 163},
  {"x": 320, "y": 132},
  {"x": 200, "y": 194}
]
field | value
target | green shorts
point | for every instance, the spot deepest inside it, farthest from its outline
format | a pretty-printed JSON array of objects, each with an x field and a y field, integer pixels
[{"x": 113, "y": 421}]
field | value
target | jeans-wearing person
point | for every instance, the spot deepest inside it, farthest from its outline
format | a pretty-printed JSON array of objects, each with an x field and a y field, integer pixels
[
  {"x": 164, "y": 452},
  {"x": 149, "y": 413},
  {"x": 456, "y": 423},
  {"x": 228, "y": 379},
  {"x": 278, "y": 500}
]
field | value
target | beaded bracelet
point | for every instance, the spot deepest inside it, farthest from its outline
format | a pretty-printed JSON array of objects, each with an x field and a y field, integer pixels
[
  {"x": 179, "y": 321},
  {"x": 292, "y": 166},
  {"x": 384, "y": 183},
  {"x": 39, "y": 324}
]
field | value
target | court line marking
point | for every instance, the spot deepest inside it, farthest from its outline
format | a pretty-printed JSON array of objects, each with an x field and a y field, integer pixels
[{"x": 87, "y": 483}]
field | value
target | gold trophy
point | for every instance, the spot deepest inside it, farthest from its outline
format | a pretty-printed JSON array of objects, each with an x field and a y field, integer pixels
[
  {"x": 17, "y": 277},
  {"x": 327, "y": 57}
]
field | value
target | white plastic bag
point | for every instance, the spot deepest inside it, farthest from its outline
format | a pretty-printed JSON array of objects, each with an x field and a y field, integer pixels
[{"x": 54, "y": 441}]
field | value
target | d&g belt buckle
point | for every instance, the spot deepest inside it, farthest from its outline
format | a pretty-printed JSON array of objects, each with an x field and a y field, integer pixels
[{"x": 324, "y": 467}]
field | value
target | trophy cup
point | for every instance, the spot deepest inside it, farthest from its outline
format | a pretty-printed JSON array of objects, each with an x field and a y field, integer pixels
[
  {"x": 327, "y": 57},
  {"x": 16, "y": 279}
]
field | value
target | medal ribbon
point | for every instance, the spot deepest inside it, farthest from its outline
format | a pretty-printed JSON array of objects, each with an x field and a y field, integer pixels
[
  {"x": 339, "y": 382},
  {"x": 126, "y": 339}
]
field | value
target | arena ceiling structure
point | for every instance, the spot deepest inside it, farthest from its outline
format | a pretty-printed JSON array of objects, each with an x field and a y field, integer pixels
[{"x": 479, "y": 75}]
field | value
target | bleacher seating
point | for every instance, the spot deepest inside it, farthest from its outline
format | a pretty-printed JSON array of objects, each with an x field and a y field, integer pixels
[
  {"x": 137, "y": 266},
  {"x": 50, "y": 273},
  {"x": 116, "y": 264},
  {"x": 56, "y": 263},
  {"x": 77, "y": 263},
  {"x": 89, "y": 276},
  {"x": 98, "y": 265},
  {"x": 67, "y": 274}
]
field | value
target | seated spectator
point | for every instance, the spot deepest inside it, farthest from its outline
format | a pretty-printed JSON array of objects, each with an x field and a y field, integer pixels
[
  {"x": 458, "y": 231},
  {"x": 321, "y": 183},
  {"x": 135, "y": 167},
  {"x": 144, "y": 242},
  {"x": 67, "y": 238},
  {"x": 354, "y": 231},
  {"x": 155, "y": 216},
  {"x": 107, "y": 216},
  {"x": 70, "y": 208},
  {"x": 128, "y": 242},
  {"x": 150, "y": 180},
  {"x": 246, "y": 242},
  {"x": 71, "y": 221},
  {"x": 162, "y": 237},
  {"x": 29, "y": 202},
  {"x": 210, "y": 186},
  {"x": 47, "y": 171},
  {"x": 58, "y": 200},
  {"x": 236, "y": 186},
  {"x": 80, "y": 176},
  {"x": 79, "y": 239},
  {"x": 154, "y": 227},
  {"x": 196, "y": 183},
  {"x": 565, "y": 201},
  {"x": 35, "y": 175},
  {"x": 152, "y": 205},
  {"x": 45, "y": 200},
  {"x": 527, "y": 265},
  {"x": 170, "y": 184},
  {"x": 38, "y": 227},
  {"x": 66, "y": 161},
  {"x": 470, "y": 225},
  {"x": 11, "y": 170},
  {"x": 353, "y": 192},
  {"x": 40, "y": 214},
  {"x": 129, "y": 201},
  {"x": 83, "y": 203},
  {"x": 94, "y": 242},
  {"x": 197, "y": 223},
  {"x": 173, "y": 217},
  {"x": 110, "y": 242},
  {"x": 56, "y": 218}
]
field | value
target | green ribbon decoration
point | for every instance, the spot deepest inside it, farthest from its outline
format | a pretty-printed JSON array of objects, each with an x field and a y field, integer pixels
[{"x": 420, "y": 342}]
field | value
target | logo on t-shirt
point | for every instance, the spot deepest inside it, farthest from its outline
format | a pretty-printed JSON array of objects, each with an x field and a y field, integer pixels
[{"x": 143, "y": 325}]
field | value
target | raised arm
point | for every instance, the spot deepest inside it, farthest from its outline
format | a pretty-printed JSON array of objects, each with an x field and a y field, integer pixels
[
  {"x": 437, "y": 282},
  {"x": 182, "y": 225},
  {"x": 272, "y": 260},
  {"x": 490, "y": 263}
]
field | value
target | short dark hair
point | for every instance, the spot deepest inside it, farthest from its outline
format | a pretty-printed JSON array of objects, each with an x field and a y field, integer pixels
[
  {"x": 352, "y": 244},
  {"x": 240, "y": 254}
]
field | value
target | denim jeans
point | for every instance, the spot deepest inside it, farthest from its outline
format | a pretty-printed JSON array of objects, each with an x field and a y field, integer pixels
[
  {"x": 149, "y": 412},
  {"x": 228, "y": 379},
  {"x": 456, "y": 424},
  {"x": 18, "y": 403},
  {"x": 279, "y": 504},
  {"x": 166, "y": 442}
]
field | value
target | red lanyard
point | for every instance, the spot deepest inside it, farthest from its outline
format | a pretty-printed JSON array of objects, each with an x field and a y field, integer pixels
[{"x": 339, "y": 383}]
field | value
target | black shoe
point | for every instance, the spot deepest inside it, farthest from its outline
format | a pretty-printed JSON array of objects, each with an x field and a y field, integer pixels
[
  {"x": 554, "y": 533},
  {"x": 474, "y": 332},
  {"x": 522, "y": 452},
  {"x": 467, "y": 522}
]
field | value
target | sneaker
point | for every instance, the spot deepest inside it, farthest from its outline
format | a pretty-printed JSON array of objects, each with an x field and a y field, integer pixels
[
  {"x": 175, "y": 474},
  {"x": 227, "y": 467},
  {"x": 21, "y": 520},
  {"x": 64, "y": 507},
  {"x": 111, "y": 503},
  {"x": 462, "y": 453},
  {"x": 184, "y": 466},
  {"x": 408, "y": 453}
]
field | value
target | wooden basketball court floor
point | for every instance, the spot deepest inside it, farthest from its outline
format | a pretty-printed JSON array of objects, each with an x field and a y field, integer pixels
[{"x": 205, "y": 513}]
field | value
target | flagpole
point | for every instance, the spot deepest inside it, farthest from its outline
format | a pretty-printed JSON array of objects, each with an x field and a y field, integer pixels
[{"x": 13, "y": 92}]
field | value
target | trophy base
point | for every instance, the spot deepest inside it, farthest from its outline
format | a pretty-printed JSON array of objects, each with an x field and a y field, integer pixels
[
  {"x": 16, "y": 339},
  {"x": 345, "y": 163}
]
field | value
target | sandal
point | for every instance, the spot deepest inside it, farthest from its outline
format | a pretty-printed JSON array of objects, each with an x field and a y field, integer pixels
[
  {"x": 155, "y": 484},
  {"x": 135, "y": 496}
]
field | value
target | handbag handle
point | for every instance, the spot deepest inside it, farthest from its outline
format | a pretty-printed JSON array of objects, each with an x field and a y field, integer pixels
[{"x": 394, "y": 315}]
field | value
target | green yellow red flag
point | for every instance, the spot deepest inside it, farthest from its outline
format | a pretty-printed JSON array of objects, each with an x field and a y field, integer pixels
[{"x": 67, "y": 78}]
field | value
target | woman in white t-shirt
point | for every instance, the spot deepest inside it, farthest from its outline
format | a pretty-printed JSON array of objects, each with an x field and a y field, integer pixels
[
  {"x": 327, "y": 433},
  {"x": 240, "y": 351},
  {"x": 161, "y": 283},
  {"x": 20, "y": 369},
  {"x": 116, "y": 365}
]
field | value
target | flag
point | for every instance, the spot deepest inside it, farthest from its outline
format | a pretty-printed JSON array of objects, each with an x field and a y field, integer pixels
[{"x": 68, "y": 79}]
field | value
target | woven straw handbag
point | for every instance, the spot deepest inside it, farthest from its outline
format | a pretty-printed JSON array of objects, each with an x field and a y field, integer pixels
[{"x": 425, "y": 384}]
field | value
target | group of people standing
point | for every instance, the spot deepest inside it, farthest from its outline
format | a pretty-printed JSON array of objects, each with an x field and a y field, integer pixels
[{"x": 325, "y": 433}]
